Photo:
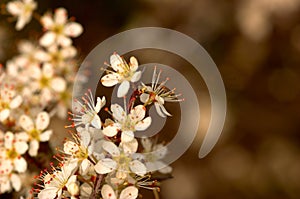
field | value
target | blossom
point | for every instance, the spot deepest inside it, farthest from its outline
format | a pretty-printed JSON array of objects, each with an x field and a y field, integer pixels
[
  {"x": 121, "y": 160},
  {"x": 55, "y": 182},
  {"x": 8, "y": 179},
  {"x": 87, "y": 112},
  {"x": 153, "y": 155},
  {"x": 9, "y": 100},
  {"x": 122, "y": 73},
  {"x": 22, "y": 9},
  {"x": 47, "y": 82},
  {"x": 127, "y": 123},
  {"x": 130, "y": 192},
  {"x": 12, "y": 151},
  {"x": 158, "y": 94},
  {"x": 59, "y": 29},
  {"x": 35, "y": 132}
]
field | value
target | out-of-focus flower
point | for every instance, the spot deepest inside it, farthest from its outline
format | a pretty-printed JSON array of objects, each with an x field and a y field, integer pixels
[
  {"x": 8, "y": 179},
  {"x": 59, "y": 29},
  {"x": 22, "y": 9},
  {"x": 12, "y": 151},
  {"x": 122, "y": 73},
  {"x": 9, "y": 99},
  {"x": 35, "y": 132},
  {"x": 127, "y": 123}
]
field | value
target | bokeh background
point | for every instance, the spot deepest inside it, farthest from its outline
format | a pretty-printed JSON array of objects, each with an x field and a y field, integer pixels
[{"x": 256, "y": 46}]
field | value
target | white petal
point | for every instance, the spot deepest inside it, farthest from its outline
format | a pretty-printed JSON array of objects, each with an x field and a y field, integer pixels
[
  {"x": 33, "y": 148},
  {"x": 22, "y": 20},
  {"x": 22, "y": 137},
  {"x": 165, "y": 170},
  {"x": 137, "y": 113},
  {"x": 20, "y": 164},
  {"x": 116, "y": 61},
  {"x": 110, "y": 130},
  {"x": 130, "y": 147},
  {"x": 110, "y": 79},
  {"x": 107, "y": 192},
  {"x": 58, "y": 84},
  {"x": 133, "y": 64},
  {"x": 8, "y": 140},
  {"x": 48, "y": 193},
  {"x": 47, "y": 21},
  {"x": 45, "y": 136},
  {"x": 123, "y": 88},
  {"x": 105, "y": 165},
  {"x": 85, "y": 190},
  {"x": 118, "y": 112},
  {"x": 14, "y": 8},
  {"x": 42, "y": 121},
  {"x": 85, "y": 138},
  {"x": 68, "y": 52},
  {"x": 4, "y": 114},
  {"x": 15, "y": 181},
  {"x": 137, "y": 167},
  {"x": 127, "y": 136},
  {"x": 144, "y": 124},
  {"x": 161, "y": 110},
  {"x": 21, "y": 147},
  {"x": 136, "y": 76},
  {"x": 48, "y": 39},
  {"x": 144, "y": 97},
  {"x": 63, "y": 40},
  {"x": 96, "y": 122},
  {"x": 73, "y": 29},
  {"x": 60, "y": 16},
  {"x": 48, "y": 70},
  {"x": 130, "y": 192},
  {"x": 15, "y": 103},
  {"x": 100, "y": 103},
  {"x": 85, "y": 165},
  {"x": 42, "y": 56},
  {"x": 111, "y": 148},
  {"x": 26, "y": 123}
]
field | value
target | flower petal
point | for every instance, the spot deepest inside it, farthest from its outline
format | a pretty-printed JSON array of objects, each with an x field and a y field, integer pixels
[
  {"x": 123, "y": 88},
  {"x": 129, "y": 147},
  {"x": 133, "y": 64},
  {"x": 33, "y": 147},
  {"x": 8, "y": 140},
  {"x": 45, "y": 136},
  {"x": 111, "y": 148},
  {"x": 15, "y": 103},
  {"x": 127, "y": 136},
  {"x": 144, "y": 124},
  {"x": 20, "y": 164},
  {"x": 60, "y": 16},
  {"x": 118, "y": 112},
  {"x": 47, "y": 39},
  {"x": 14, "y": 8},
  {"x": 21, "y": 147},
  {"x": 42, "y": 121},
  {"x": 136, "y": 76},
  {"x": 49, "y": 193},
  {"x": 130, "y": 192},
  {"x": 137, "y": 167},
  {"x": 58, "y": 84},
  {"x": 110, "y": 79},
  {"x": 107, "y": 192},
  {"x": 105, "y": 165},
  {"x": 73, "y": 29},
  {"x": 96, "y": 122},
  {"x": 110, "y": 130},
  {"x": 4, "y": 114},
  {"x": 116, "y": 61},
  {"x": 26, "y": 123},
  {"x": 144, "y": 97},
  {"x": 137, "y": 113},
  {"x": 47, "y": 21},
  {"x": 16, "y": 182},
  {"x": 63, "y": 40}
]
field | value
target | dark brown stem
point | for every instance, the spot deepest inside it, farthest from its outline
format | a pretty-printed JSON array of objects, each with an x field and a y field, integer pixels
[{"x": 97, "y": 186}]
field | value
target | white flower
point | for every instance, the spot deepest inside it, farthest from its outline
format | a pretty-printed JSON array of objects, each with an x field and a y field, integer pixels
[
  {"x": 158, "y": 94},
  {"x": 55, "y": 183},
  {"x": 12, "y": 151},
  {"x": 59, "y": 29},
  {"x": 123, "y": 73},
  {"x": 47, "y": 82},
  {"x": 8, "y": 100},
  {"x": 8, "y": 179},
  {"x": 22, "y": 9},
  {"x": 127, "y": 123},
  {"x": 121, "y": 160},
  {"x": 35, "y": 132},
  {"x": 152, "y": 155},
  {"x": 87, "y": 112},
  {"x": 130, "y": 192}
]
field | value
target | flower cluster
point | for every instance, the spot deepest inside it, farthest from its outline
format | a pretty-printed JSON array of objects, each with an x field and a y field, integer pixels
[
  {"x": 105, "y": 159},
  {"x": 34, "y": 86}
]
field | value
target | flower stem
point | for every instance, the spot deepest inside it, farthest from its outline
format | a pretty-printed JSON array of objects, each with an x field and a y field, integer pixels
[
  {"x": 97, "y": 186},
  {"x": 156, "y": 194}
]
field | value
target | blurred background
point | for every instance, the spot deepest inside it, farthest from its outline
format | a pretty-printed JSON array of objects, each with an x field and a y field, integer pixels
[{"x": 256, "y": 46}]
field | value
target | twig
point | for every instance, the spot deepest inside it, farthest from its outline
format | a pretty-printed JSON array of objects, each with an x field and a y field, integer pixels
[
  {"x": 97, "y": 186},
  {"x": 156, "y": 194}
]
